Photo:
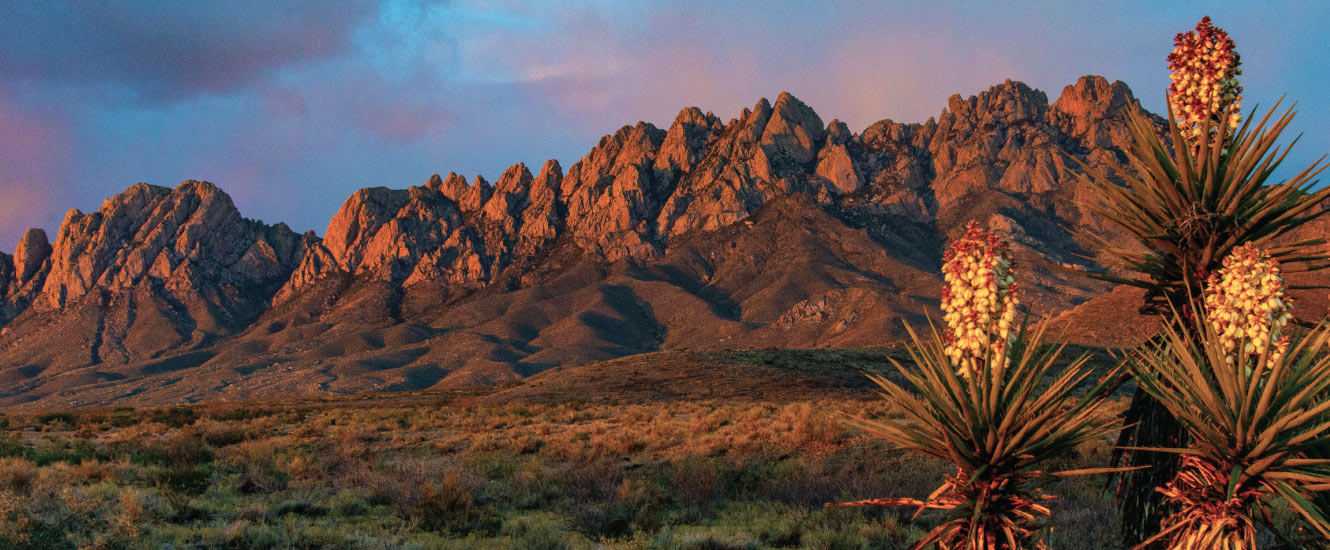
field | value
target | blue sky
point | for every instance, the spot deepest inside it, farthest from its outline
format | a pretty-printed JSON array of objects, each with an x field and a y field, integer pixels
[{"x": 291, "y": 106}]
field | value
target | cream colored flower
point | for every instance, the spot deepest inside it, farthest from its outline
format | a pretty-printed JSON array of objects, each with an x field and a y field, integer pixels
[
  {"x": 1204, "y": 71},
  {"x": 979, "y": 302},
  {"x": 1247, "y": 306}
]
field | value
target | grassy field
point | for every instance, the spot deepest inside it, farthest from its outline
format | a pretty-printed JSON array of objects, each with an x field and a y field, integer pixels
[
  {"x": 445, "y": 474},
  {"x": 678, "y": 450}
]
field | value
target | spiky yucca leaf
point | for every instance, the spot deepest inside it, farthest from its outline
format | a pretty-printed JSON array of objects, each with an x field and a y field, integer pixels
[
  {"x": 997, "y": 426},
  {"x": 1257, "y": 431},
  {"x": 1188, "y": 211}
]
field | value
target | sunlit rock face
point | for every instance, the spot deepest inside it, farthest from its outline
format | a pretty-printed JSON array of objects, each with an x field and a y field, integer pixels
[
  {"x": 774, "y": 228},
  {"x": 191, "y": 240},
  {"x": 153, "y": 270}
]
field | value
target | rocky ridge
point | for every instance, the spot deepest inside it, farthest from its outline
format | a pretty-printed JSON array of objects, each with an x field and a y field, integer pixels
[{"x": 773, "y": 228}]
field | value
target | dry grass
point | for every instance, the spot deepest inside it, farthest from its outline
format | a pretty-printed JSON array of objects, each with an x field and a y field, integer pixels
[{"x": 672, "y": 474}]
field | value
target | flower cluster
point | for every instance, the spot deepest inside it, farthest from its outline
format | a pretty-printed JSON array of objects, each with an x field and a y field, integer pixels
[
  {"x": 979, "y": 301},
  {"x": 1246, "y": 303},
  {"x": 1204, "y": 67}
]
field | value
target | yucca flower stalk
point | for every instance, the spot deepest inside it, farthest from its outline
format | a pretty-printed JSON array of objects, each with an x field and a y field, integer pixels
[
  {"x": 1247, "y": 307},
  {"x": 1256, "y": 434},
  {"x": 997, "y": 427},
  {"x": 1188, "y": 199},
  {"x": 1204, "y": 69},
  {"x": 980, "y": 299},
  {"x": 979, "y": 406}
]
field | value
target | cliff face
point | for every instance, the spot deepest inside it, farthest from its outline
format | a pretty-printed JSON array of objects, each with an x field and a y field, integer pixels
[
  {"x": 152, "y": 272},
  {"x": 774, "y": 228}
]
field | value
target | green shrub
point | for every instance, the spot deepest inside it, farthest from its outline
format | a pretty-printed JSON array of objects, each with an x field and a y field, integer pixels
[
  {"x": 446, "y": 506},
  {"x": 68, "y": 451},
  {"x": 175, "y": 417},
  {"x": 830, "y": 539},
  {"x": 12, "y": 445},
  {"x": 532, "y": 533},
  {"x": 122, "y": 417}
]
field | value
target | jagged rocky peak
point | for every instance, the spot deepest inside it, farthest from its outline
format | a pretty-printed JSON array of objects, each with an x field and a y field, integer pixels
[
  {"x": 454, "y": 186},
  {"x": 686, "y": 141},
  {"x": 640, "y": 186},
  {"x": 1083, "y": 108},
  {"x": 793, "y": 129},
  {"x": 22, "y": 275},
  {"x": 476, "y": 195},
  {"x": 1008, "y": 103},
  {"x": 509, "y": 196},
  {"x": 551, "y": 174},
  {"x": 540, "y": 221},
  {"x": 30, "y": 256},
  {"x": 838, "y": 132},
  {"x": 1094, "y": 96},
  {"x": 891, "y": 136},
  {"x": 360, "y": 218},
  {"x": 547, "y": 187},
  {"x": 835, "y": 162},
  {"x": 191, "y": 238}
]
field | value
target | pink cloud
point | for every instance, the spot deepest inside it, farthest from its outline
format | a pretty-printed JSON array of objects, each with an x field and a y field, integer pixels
[
  {"x": 402, "y": 123},
  {"x": 34, "y": 160}
]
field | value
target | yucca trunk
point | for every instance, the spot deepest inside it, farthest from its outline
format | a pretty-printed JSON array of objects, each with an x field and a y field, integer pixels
[{"x": 1149, "y": 424}]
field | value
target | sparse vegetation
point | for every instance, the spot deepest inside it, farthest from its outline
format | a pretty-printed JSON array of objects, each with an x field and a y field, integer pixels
[{"x": 677, "y": 474}]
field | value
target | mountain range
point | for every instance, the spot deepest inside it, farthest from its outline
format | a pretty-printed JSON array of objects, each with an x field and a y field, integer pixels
[{"x": 771, "y": 229}]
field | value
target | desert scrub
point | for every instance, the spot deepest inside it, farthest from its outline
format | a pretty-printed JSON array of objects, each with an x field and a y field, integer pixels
[{"x": 669, "y": 484}]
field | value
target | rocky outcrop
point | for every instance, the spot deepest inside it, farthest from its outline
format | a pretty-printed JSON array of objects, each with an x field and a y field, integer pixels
[
  {"x": 22, "y": 275},
  {"x": 773, "y": 228},
  {"x": 190, "y": 239},
  {"x": 446, "y": 233},
  {"x": 153, "y": 270},
  {"x": 1091, "y": 112}
]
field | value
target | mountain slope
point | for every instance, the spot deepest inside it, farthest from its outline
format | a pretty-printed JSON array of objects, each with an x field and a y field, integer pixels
[{"x": 771, "y": 229}]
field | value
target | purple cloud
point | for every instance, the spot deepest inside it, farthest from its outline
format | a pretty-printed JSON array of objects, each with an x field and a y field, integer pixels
[
  {"x": 34, "y": 159},
  {"x": 292, "y": 106},
  {"x": 164, "y": 50}
]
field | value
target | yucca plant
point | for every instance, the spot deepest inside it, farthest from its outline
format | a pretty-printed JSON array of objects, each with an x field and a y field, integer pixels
[
  {"x": 1257, "y": 423},
  {"x": 998, "y": 427},
  {"x": 988, "y": 400},
  {"x": 1186, "y": 211},
  {"x": 1189, "y": 199}
]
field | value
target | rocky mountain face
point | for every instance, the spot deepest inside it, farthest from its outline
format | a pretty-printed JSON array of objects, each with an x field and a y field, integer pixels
[
  {"x": 152, "y": 272},
  {"x": 772, "y": 229}
]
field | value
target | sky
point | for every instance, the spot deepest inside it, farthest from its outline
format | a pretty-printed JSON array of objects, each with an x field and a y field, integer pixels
[{"x": 290, "y": 106}]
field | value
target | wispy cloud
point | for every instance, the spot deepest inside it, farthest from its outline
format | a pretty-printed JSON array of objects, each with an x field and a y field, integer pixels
[{"x": 291, "y": 106}]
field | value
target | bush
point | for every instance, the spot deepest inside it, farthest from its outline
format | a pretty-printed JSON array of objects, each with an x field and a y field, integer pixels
[
  {"x": 175, "y": 417},
  {"x": 16, "y": 474},
  {"x": 59, "y": 420},
  {"x": 12, "y": 445},
  {"x": 446, "y": 506},
  {"x": 70, "y": 452},
  {"x": 531, "y": 533},
  {"x": 122, "y": 417}
]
